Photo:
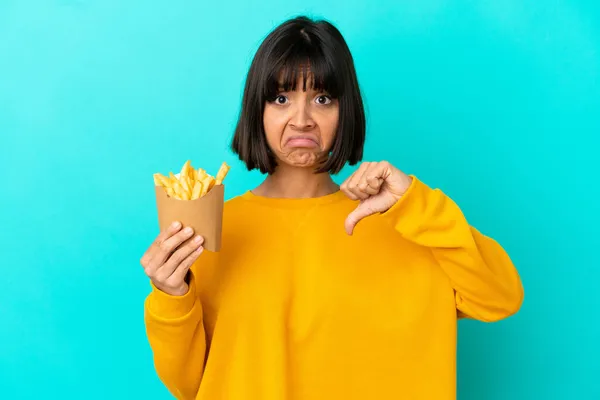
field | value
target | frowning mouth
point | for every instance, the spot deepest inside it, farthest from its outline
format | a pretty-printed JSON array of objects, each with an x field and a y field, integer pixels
[{"x": 302, "y": 141}]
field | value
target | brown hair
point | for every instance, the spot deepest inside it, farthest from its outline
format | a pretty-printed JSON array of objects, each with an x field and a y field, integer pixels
[{"x": 286, "y": 52}]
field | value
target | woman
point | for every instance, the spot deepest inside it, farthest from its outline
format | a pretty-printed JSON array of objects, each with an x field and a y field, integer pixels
[{"x": 301, "y": 302}]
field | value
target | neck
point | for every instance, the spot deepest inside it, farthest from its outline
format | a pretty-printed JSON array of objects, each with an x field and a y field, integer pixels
[{"x": 293, "y": 182}]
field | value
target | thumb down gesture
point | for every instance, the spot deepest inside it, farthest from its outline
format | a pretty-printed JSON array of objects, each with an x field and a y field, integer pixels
[{"x": 378, "y": 186}]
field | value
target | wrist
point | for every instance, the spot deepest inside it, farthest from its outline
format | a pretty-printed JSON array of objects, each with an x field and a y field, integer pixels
[
  {"x": 405, "y": 183},
  {"x": 400, "y": 183},
  {"x": 175, "y": 292},
  {"x": 180, "y": 291},
  {"x": 168, "y": 305}
]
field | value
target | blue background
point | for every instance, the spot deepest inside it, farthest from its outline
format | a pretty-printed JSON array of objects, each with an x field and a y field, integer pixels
[{"x": 495, "y": 102}]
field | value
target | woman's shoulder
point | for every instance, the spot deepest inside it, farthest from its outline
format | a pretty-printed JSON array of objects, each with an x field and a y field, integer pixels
[
  {"x": 239, "y": 214},
  {"x": 236, "y": 203}
]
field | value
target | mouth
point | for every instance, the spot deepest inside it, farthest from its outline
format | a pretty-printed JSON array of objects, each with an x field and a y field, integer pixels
[{"x": 308, "y": 141}]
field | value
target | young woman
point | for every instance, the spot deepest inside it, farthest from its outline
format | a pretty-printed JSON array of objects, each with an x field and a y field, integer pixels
[{"x": 303, "y": 301}]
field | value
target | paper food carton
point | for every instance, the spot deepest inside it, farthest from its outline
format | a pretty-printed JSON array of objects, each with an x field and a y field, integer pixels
[{"x": 195, "y": 199}]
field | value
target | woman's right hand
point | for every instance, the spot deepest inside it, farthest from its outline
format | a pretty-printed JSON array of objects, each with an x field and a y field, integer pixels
[{"x": 167, "y": 264}]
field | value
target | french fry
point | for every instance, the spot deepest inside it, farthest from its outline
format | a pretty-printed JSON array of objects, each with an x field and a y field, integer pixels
[
  {"x": 191, "y": 183},
  {"x": 184, "y": 169},
  {"x": 186, "y": 185},
  {"x": 161, "y": 180},
  {"x": 207, "y": 183},
  {"x": 222, "y": 173},
  {"x": 198, "y": 186}
]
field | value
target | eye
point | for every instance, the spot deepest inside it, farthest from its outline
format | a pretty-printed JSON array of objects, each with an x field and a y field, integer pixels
[
  {"x": 281, "y": 99},
  {"x": 323, "y": 100}
]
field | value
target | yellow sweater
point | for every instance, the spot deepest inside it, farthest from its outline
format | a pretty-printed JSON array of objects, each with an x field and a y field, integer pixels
[{"x": 294, "y": 308}]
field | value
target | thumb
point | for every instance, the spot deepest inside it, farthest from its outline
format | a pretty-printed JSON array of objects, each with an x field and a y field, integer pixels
[{"x": 363, "y": 210}]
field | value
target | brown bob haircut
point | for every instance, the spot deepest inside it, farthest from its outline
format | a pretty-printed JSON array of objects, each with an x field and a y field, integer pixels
[{"x": 285, "y": 54}]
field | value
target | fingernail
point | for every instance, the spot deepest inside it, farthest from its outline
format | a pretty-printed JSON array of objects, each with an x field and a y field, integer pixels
[
  {"x": 198, "y": 239},
  {"x": 175, "y": 224},
  {"x": 199, "y": 249},
  {"x": 188, "y": 230}
]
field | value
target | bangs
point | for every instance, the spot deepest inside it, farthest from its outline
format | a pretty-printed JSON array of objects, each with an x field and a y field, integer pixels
[{"x": 303, "y": 63}]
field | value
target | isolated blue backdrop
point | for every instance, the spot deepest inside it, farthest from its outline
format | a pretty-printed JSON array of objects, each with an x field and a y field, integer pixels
[{"x": 495, "y": 102}]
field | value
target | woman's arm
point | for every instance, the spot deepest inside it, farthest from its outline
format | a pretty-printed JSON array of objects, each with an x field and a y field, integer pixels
[
  {"x": 176, "y": 335},
  {"x": 486, "y": 283}
]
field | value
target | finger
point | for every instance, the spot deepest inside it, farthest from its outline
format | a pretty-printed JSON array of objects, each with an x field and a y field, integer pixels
[
  {"x": 161, "y": 237},
  {"x": 370, "y": 189},
  {"x": 347, "y": 192},
  {"x": 183, "y": 268},
  {"x": 352, "y": 187},
  {"x": 373, "y": 178},
  {"x": 362, "y": 211},
  {"x": 374, "y": 184},
  {"x": 166, "y": 248},
  {"x": 166, "y": 270},
  {"x": 360, "y": 186}
]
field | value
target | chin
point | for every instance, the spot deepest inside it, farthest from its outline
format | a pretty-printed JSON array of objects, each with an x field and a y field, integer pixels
[{"x": 303, "y": 158}]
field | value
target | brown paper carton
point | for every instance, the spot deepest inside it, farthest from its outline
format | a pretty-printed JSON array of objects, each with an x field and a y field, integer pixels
[{"x": 204, "y": 214}]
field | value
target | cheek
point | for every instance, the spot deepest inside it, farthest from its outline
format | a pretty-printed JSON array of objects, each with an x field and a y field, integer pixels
[
  {"x": 329, "y": 127},
  {"x": 273, "y": 125}
]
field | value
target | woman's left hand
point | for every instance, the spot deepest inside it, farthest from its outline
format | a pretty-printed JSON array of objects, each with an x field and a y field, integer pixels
[{"x": 378, "y": 186}]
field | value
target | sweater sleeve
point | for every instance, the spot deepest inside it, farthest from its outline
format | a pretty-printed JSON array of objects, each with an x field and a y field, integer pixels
[
  {"x": 486, "y": 284},
  {"x": 176, "y": 335}
]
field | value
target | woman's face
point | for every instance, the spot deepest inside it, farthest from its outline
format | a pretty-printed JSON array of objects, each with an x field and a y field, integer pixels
[{"x": 300, "y": 126}]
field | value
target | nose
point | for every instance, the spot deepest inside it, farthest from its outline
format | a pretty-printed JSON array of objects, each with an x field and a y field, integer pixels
[{"x": 301, "y": 118}]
